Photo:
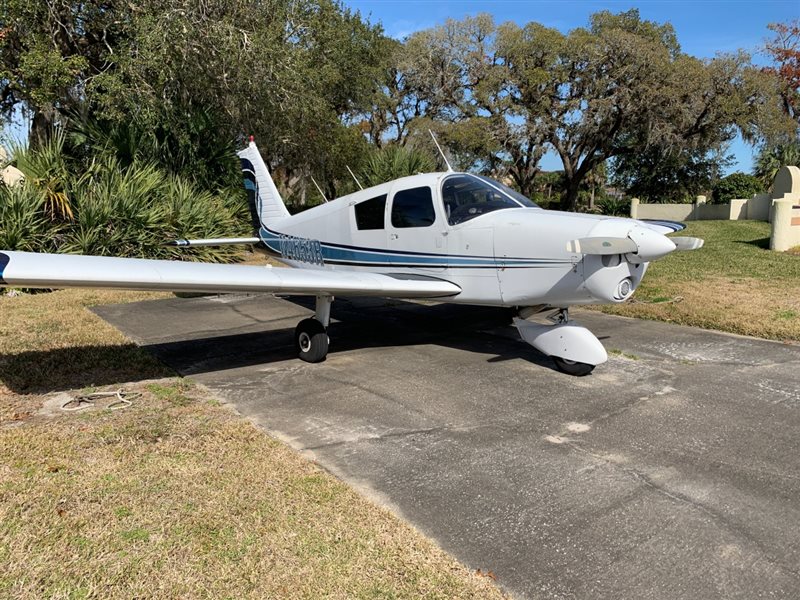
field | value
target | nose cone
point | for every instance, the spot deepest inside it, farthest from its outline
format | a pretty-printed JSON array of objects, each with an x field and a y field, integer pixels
[{"x": 652, "y": 245}]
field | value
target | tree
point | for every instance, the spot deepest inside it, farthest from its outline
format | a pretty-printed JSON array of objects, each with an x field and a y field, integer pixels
[
  {"x": 657, "y": 174},
  {"x": 784, "y": 48},
  {"x": 622, "y": 87},
  {"x": 453, "y": 78},
  {"x": 198, "y": 74},
  {"x": 736, "y": 185},
  {"x": 615, "y": 89},
  {"x": 771, "y": 158},
  {"x": 52, "y": 50}
]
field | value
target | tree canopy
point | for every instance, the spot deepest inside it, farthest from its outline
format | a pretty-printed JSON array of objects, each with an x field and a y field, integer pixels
[
  {"x": 290, "y": 72},
  {"x": 179, "y": 82},
  {"x": 618, "y": 89}
]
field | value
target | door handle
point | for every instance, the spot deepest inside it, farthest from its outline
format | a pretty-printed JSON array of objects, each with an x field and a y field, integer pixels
[{"x": 393, "y": 236}]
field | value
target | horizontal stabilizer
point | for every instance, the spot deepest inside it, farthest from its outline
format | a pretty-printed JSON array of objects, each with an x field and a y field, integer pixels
[
  {"x": 33, "y": 270},
  {"x": 661, "y": 226},
  {"x": 687, "y": 243},
  {"x": 213, "y": 242},
  {"x": 602, "y": 246}
]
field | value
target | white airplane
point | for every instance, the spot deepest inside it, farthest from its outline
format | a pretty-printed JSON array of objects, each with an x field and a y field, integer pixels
[{"x": 455, "y": 237}]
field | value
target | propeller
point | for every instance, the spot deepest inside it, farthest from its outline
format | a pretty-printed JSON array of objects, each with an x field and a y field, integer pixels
[
  {"x": 642, "y": 245},
  {"x": 687, "y": 243},
  {"x": 602, "y": 246}
]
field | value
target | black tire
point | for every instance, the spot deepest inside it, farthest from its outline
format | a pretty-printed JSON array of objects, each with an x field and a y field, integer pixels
[
  {"x": 570, "y": 367},
  {"x": 311, "y": 341}
]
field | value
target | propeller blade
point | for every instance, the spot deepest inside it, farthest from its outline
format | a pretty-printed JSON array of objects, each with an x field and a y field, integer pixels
[
  {"x": 687, "y": 243},
  {"x": 602, "y": 246}
]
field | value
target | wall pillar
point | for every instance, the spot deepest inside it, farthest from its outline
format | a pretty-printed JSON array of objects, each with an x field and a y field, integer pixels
[
  {"x": 634, "y": 208},
  {"x": 783, "y": 236},
  {"x": 738, "y": 209}
]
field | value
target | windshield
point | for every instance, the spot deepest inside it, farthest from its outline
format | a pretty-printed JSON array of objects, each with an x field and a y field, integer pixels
[{"x": 468, "y": 196}]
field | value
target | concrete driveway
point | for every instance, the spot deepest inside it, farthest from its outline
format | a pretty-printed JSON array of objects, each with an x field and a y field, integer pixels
[{"x": 671, "y": 472}]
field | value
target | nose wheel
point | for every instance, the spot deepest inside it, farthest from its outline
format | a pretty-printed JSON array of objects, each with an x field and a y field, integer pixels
[
  {"x": 571, "y": 367},
  {"x": 311, "y": 335}
]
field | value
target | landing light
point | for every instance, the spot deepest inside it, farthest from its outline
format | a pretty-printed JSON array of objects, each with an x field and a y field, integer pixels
[{"x": 624, "y": 288}]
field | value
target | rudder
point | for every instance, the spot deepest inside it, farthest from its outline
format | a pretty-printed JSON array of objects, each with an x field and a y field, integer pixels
[{"x": 266, "y": 204}]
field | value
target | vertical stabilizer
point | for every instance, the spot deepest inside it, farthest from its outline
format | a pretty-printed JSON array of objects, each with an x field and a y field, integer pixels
[{"x": 266, "y": 204}]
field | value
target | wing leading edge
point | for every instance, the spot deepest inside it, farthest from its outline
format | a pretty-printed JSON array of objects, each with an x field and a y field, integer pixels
[{"x": 34, "y": 270}]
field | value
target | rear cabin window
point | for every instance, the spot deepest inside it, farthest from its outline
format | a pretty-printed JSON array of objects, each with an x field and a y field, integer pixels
[
  {"x": 413, "y": 208},
  {"x": 369, "y": 214}
]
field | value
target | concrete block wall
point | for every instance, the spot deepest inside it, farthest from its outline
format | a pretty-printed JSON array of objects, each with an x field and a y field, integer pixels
[
  {"x": 781, "y": 208},
  {"x": 697, "y": 211},
  {"x": 786, "y": 210}
]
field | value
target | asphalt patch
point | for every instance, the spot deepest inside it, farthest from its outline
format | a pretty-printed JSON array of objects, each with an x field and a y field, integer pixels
[{"x": 673, "y": 471}]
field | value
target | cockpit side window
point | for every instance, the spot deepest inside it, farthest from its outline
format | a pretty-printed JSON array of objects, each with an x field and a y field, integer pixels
[
  {"x": 413, "y": 208},
  {"x": 468, "y": 196}
]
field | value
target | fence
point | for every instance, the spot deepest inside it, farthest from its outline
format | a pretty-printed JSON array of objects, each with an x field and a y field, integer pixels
[{"x": 781, "y": 208}]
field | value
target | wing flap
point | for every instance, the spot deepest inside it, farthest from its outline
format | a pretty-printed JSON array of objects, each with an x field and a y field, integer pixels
[
  {"x": 33, "y": 270},
  {"x": 213, "y": 242}
]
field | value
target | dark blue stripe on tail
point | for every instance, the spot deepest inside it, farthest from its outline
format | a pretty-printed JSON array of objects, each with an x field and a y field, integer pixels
[{"x": 249, "y": 174}]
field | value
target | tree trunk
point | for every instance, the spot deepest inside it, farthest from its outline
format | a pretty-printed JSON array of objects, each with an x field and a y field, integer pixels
[
  {"x": 569, "y": 201},
  {"x": 41, "y": 126}
]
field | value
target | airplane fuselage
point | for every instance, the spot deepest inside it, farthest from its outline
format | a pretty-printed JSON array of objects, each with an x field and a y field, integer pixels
[{"x": 509, "y": 256}]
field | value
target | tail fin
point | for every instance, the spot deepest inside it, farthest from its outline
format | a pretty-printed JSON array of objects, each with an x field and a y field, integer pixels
[{"x": 266, "y": 204}]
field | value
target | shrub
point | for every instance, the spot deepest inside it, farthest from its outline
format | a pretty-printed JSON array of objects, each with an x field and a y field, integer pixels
[
  {"x": 735, "y": 185},
  {"x": 393, "y": 162},
  {"x": 616, "y": 207},
  {"x": 114, "y": 210},
  {"x": 24, "y": 224}
]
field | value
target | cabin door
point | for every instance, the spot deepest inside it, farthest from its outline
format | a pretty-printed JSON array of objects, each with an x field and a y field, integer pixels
[{"x": 417, "y": 234}]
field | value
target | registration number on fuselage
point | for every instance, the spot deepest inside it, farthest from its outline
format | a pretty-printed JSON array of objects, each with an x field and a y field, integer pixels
[{"x": 300, "y": 249}]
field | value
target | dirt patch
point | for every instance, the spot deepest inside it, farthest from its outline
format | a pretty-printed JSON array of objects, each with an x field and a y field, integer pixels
[{"x": 747, "y": 306}]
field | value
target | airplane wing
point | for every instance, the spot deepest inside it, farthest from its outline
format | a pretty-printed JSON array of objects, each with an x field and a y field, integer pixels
[{"x": 34, "y": 270}]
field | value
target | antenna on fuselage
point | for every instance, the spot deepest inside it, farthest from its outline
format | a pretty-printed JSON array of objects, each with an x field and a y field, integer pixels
[
  {"x": 353, "y": 175},
  {"x": 319, "y": 189},
  {"x": 439, "y": 148}
]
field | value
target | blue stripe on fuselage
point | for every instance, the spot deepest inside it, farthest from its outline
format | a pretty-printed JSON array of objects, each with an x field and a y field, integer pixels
[{"x": 354, "y": 255}]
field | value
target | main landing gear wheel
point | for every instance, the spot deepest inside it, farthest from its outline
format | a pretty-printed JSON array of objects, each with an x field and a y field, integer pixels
[
  {"x": 311, "y": 340},
  {"x": 570, "y": 367}
]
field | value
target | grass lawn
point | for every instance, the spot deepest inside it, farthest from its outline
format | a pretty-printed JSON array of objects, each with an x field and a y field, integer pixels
[
  {"x": 175, "y": 496},
  {"x": 734, "y": 283}
]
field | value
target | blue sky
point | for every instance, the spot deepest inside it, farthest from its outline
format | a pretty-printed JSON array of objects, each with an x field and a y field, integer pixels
[{"x": 704, "y": 27}]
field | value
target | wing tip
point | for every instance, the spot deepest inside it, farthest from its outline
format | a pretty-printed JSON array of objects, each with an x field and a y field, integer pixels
[{"x": 4, "y": 260}]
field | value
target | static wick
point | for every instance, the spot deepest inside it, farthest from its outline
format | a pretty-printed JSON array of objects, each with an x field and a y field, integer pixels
[
  {"x": 353, "y": 175},
  {"x": 319, "y": 189},
  {"x": 439, "y": 148}
]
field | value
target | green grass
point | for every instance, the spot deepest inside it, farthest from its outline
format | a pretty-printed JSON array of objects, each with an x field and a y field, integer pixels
[
  {"x": 733, "y": 249},
  {"x": 734, "y": 283}
]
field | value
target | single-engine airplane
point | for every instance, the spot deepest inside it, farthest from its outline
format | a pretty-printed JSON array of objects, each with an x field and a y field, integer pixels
[{"x": 449, "y": 236}]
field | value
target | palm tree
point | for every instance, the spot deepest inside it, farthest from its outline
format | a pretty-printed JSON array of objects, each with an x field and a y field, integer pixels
[
  {"x": 393, "y": 162},
  {"x": 771, "y": 159}
]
